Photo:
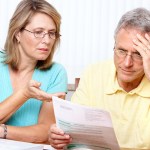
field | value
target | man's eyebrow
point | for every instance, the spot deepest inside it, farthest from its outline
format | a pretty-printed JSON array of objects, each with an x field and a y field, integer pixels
[
  {"x": 120, "y": 47},
  {"x": 136, "y": 52}
]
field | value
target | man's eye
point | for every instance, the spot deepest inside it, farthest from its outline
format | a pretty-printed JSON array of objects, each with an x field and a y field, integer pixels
[
  {"x": 136, "y": 53},
  {"x": 121, "y": 51}
]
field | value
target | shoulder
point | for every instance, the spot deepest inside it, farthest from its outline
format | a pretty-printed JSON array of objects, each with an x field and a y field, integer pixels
[
  {"x": 56, "y": 78},
  {"x": 57, "y": 68},
  {"x": 100, "y": 67},
  {"x": 2, "y": 55},
  {"x": 96, "y": 74},
  {"x": 100, "y": 71},
  {"x": 52, "y": 71}
]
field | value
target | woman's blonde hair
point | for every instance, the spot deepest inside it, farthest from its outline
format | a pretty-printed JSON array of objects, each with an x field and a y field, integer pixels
[{"x": 25, "y": 10}]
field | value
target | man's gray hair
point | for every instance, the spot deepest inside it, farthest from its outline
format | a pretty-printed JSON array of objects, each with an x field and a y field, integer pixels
[{"x": 138, "y": 18}]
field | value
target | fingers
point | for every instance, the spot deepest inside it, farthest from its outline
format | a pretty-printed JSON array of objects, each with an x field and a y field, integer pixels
[
  {"x": 142, "y": 45},
  {"x": 59, "y": 146},
  {"x": 32, "y": 90},
  {"x": 144, "y": 42},
  {"x": 139, "y": 49},
  {"x": 60, "y": 95},
  {"x": 48, "y": 97},
  {"x": 57, "y": 133},
  {"x": 147, "y": 37},
  {"x": 59, "y": 142},
  {"x": 42, "y": 95},
  {"x": 57, "y": 138},
  {"x": 34, "y": 83},
  {"x": 54, "y": 129}
]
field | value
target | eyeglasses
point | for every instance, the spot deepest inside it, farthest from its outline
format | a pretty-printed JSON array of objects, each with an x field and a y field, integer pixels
[
  {"x": 123, "y": 53},
  {"x": 41, "y": 34}
]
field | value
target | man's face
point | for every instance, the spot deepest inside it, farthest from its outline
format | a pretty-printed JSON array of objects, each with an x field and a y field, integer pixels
[{"x": 129, "y": 69}]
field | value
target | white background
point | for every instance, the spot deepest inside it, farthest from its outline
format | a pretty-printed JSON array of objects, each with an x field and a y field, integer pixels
[{"x": 87, "y": 29}]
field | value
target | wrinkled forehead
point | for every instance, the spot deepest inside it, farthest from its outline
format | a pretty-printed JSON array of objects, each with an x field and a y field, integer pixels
[
  {"x": 133, "y": 32},
  {"x": 128, "y": 33}
]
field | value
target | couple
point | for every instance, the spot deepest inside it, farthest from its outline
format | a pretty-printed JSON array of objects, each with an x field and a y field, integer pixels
[{"x": 29, "y": 78}]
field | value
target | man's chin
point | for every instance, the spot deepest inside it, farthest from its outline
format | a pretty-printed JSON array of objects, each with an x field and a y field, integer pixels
[{"x": 125, "y": 78}]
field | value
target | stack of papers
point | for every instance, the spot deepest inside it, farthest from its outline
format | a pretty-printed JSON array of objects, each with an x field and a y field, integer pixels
[
  {"x": 16, "y": 145},
  {"x": 90, "y": 128}
]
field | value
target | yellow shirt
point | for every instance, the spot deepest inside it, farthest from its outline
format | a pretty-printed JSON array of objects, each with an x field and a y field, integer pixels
[{"x": 130, "y": 111}]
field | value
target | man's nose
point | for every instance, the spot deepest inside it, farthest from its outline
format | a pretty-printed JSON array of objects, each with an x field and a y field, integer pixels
[{"x": 128, "y": 60}]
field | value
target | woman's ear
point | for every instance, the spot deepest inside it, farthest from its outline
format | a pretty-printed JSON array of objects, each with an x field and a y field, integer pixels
[{"x": 17, "y": 35}]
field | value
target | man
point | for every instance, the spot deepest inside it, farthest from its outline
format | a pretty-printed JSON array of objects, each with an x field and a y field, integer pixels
[{"x": 122, "y": 86}]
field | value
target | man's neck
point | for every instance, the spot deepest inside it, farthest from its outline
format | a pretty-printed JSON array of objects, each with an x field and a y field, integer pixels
[{"x": 129, "y": 86}]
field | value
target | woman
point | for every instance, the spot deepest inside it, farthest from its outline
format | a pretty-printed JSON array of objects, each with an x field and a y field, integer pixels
[{"x": 29, "y": 78}]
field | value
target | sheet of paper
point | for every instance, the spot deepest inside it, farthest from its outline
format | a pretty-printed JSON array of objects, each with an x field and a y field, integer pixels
[
  {"x": 90, "y": 128},
  {"x": 17, "y": 145},
  {"x": 48, "y": 147}
]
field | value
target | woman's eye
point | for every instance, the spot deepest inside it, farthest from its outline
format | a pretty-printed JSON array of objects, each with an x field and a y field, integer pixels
[
  {"x": 52, "y": 33},
  {"x": 38, "y": 32}
]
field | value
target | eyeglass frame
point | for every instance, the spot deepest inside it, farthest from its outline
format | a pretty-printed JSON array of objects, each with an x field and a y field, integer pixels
[
  {"x": 123, "y": 53},
  {"x": 57, "y": 35}
]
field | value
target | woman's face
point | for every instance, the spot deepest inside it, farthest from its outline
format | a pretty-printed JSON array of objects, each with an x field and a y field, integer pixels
[{"x": 31, "y": 43}]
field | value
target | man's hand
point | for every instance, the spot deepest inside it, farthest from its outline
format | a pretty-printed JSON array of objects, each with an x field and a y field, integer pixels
[
  {"x": 142, "y": 45},
  {"x": 57, "y": 138}
]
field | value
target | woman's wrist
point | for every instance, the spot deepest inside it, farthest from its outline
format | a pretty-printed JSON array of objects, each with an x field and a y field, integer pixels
[{"x": 3, "y": 131}]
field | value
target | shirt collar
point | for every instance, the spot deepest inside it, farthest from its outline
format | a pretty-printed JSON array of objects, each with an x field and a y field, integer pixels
[{"x": 113, "y": 86}]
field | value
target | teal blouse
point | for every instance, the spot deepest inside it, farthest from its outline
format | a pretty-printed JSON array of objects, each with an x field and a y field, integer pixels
[{"x": 52, "y": 80}]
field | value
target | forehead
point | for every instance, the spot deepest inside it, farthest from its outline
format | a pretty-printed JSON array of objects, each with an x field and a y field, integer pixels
[
  {"x": 125, "y": 36},
  {"x": 41, "y": 20}
]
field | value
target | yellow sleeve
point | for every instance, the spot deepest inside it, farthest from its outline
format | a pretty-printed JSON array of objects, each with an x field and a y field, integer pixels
[{"x": 81, "y": 95}]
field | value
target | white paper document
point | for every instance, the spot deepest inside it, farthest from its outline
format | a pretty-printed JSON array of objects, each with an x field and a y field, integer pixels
[
  {"x": 90, "y": 128},
  {"x": 17, "y": 145}
]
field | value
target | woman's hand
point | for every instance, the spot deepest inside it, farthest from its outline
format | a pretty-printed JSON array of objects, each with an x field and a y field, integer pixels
[
  {"x": 32, "y": 90},
  {"x": 142, "y": 45},
  {"x": 57, "y": 138}
]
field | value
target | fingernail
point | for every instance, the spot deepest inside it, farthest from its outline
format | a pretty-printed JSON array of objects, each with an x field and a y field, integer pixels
[
  {"x": 146, "y": 34},
  {"x": 61, "y": 132},
  {"x": 138, "y": 35},
  {"x": 134, "y": 40},
  {"x": 67, "y": 136}
]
